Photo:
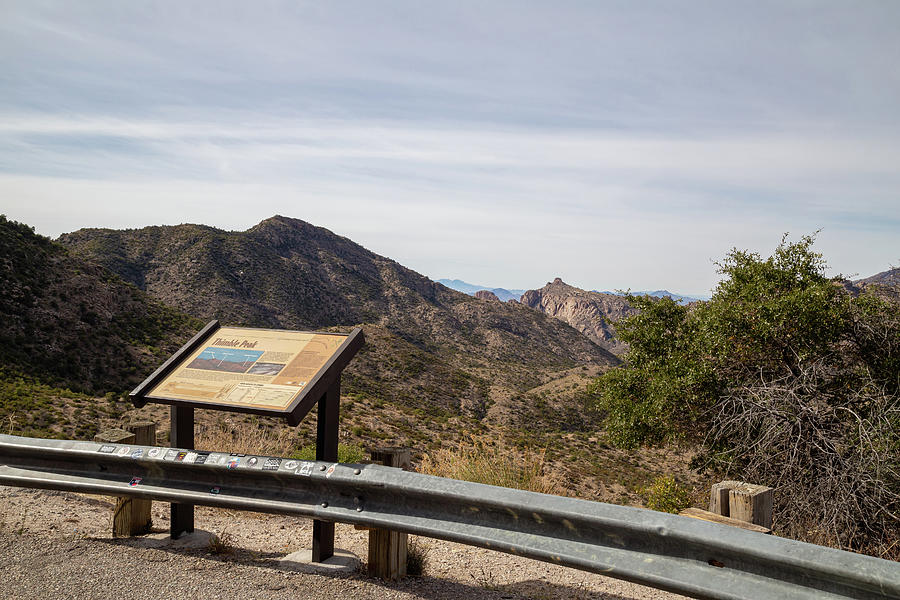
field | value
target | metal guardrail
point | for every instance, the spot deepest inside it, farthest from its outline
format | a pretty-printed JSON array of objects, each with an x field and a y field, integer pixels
[{"x": 669, "y": 552}]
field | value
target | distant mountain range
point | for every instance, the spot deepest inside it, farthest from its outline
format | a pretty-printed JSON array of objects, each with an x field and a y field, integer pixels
[{"x": 505, "y": 295}]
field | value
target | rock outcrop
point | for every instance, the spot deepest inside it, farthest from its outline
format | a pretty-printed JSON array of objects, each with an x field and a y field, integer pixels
[
  {"x": 487, "y": 295},
  {"x": 592, "y": 313}
]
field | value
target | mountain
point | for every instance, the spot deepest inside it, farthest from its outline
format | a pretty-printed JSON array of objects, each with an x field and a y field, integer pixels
[
  {"x": 70, "y": 330},
  {"x": 429, "y": 347},
  {"x": 886, "y": 283},
  {"x": 679, "y": 298},
  {"x": 592, "y": 313},
  {"x": 502, "y": 294},
  {"x": 75, "y": 324}
]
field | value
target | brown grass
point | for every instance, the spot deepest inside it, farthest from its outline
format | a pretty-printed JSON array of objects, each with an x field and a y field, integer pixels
[
  {"x": 246, "y": 437},
  {"x": 494, "y": 463}
]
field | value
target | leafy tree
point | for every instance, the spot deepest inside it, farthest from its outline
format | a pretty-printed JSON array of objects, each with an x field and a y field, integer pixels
[{"x": 782, "y": 378}]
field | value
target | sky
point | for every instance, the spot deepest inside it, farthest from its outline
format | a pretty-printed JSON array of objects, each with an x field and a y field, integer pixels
[{"x": 617, "y": 145}]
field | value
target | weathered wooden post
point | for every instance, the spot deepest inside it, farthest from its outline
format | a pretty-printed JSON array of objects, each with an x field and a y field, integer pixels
[
  {"x": 387, "y": 549},
  {"x": 718, "y": 497},
  {"x": 743, "y": 501},
  {"x": 131, "y": 515},
  {"x": 752, "y": 503},
  {"x": 140, "y": 519}
]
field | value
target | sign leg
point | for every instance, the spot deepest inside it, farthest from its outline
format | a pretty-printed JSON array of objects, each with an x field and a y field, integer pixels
[
  {"x": 181, "y": 436},
  {"x": 327, "y": 450}
]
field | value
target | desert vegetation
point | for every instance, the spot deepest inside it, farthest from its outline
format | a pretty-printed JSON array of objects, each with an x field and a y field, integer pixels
[
  {"x": 783, "y": 378},
  {"x": 495, "y": 463}
]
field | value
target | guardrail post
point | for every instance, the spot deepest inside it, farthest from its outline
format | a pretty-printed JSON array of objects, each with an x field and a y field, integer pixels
[
  {"x": 743, "y": 501},
  {"x": 141, "y": 520},
  {"x": 123, "y": 522},
  {"x": 387, "y": 549}
]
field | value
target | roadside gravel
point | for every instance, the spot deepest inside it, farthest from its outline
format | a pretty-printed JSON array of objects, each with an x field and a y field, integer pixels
[{"x": 58, "y": 545}]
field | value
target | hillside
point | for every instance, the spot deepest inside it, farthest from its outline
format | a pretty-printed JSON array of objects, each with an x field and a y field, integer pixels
[
  {"x": 886, "y": 283},
  {"x": 428, "y": 346},
  {"x": 591, "y": 313},
  {"x": 68, "y": 324},
  {"x": 439, "y": 367}
]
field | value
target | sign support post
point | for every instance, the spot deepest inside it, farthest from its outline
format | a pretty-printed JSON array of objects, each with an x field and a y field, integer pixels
[
  {"x": 326, "y": 450},
  {"x": 181, "y": 435}
]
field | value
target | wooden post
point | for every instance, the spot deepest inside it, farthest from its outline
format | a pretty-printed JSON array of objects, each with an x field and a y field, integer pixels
[
  {"x": 718, "y": 497},
  {"x": 140, "y": 518},
  {"x": 752, "y": 503},
  {"x": 387, "y": 549},
  {"x": 122, "y": 514},
  {"x": 743, "y": 501}
]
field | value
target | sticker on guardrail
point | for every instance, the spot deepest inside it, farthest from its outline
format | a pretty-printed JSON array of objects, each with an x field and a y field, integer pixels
[
  {"x": 137, "y": 453},
  {"x": 202, "y": 457},
  {"x": 107, "y": 449},
  {"x": 216, "y": 458},
  {"x": 215, "y": 490},
  {"x": 233, "y": 463},
  {"x": 289, "y": 465},
  {"x": 135, "y": 481},
  {"x": 124, "y": 450},
  {"x": 171, "y": 454},
  {"x": 180, "y": 456},
  {"x": 306, "y": 468},
  {"x": 252, "y": 461},
  {"x": 271, "y": 464},
  {"x": 330, "y": 470},
  {"x": 190, "y": 457},
  {"x": 154, "y": 453}
]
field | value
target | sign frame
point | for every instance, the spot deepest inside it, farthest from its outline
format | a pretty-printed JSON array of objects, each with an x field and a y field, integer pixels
[
  {"x": 322, "y": 390},
  {"x": 303, "y": 402}
]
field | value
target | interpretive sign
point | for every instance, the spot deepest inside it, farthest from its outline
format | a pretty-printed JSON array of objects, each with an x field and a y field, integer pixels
[{"x": 263, "y": 371}]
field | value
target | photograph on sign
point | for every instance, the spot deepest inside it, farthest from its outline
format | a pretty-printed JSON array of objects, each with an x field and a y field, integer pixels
[{"x": 249, "y": 368}]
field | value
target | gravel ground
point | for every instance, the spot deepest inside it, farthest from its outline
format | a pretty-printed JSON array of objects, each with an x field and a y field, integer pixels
[{"x": 58, "y": 545}]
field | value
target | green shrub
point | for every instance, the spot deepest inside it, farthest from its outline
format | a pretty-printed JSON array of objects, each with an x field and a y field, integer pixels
[{"x": 667, "y": 495}]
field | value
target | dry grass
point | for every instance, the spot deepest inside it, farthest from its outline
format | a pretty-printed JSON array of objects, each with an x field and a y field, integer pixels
[
  {"x": 246, "y": 437},
  {"x": 494, "y": 463},
  {"x": 416, "y": 557}
]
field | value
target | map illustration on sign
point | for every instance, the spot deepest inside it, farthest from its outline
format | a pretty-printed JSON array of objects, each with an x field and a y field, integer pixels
[
  {"x": 226, "y": 359},
  {"x": 264, "y": 369}
]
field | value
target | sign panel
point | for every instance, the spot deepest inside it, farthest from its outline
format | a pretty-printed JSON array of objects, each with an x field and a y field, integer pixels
[
  {"x": 265, "y": 371},
  {"x": 251, "y": 368}
]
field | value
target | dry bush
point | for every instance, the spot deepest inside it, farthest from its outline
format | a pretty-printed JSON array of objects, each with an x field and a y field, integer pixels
[
  {"x": 494, "y": 463},
  {"x": 416, "y": 557},
  {"x": 246, "y": 437},
  {"x": 831, "y": 453}
]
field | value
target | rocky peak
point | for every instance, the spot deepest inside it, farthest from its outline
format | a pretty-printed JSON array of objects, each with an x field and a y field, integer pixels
[
  {"x": 487, "y": 295},
  {"x": 591, "y": 313}
]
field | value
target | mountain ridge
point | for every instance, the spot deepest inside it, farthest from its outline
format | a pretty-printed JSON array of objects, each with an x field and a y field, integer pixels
[{"x": 424, "y": 338}]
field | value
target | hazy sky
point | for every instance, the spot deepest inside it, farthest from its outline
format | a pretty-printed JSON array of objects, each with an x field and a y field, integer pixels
[{"x": 613, "y": 144}]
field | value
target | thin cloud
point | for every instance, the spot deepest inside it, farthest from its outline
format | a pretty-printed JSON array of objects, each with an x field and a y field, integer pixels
[{"x": 626, "y": 145}]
